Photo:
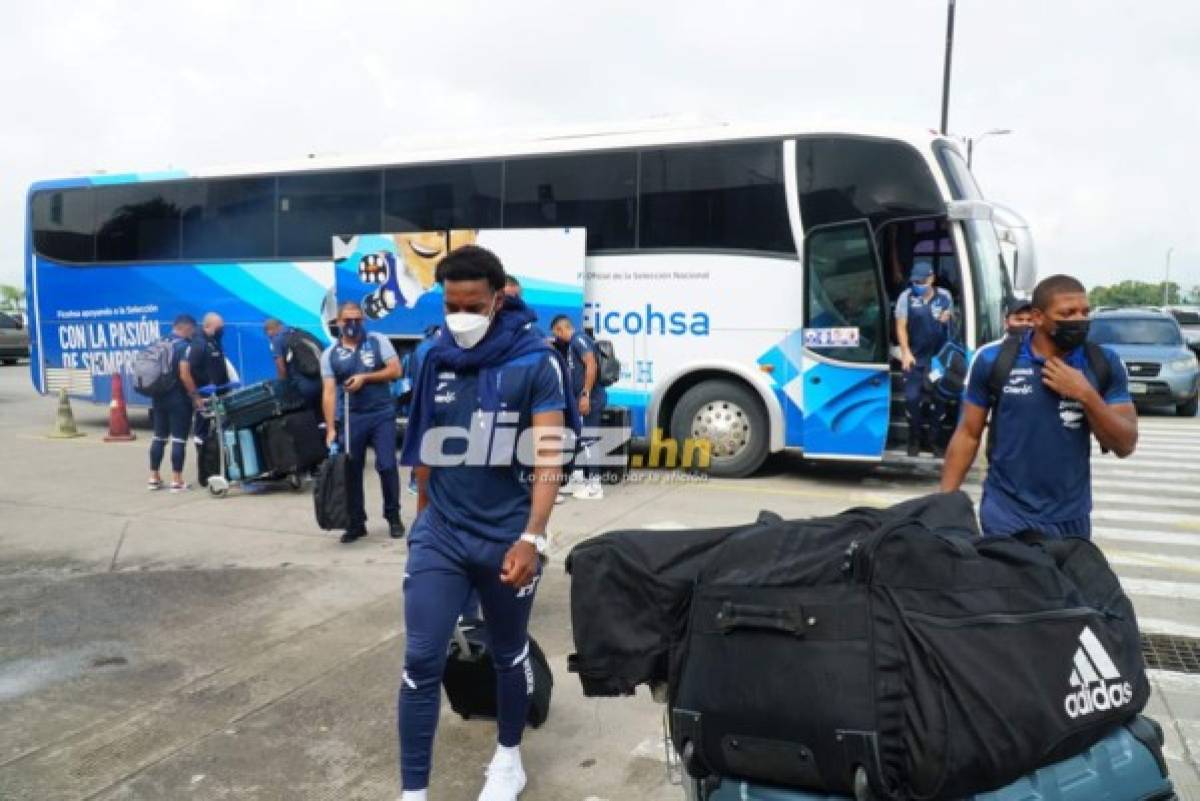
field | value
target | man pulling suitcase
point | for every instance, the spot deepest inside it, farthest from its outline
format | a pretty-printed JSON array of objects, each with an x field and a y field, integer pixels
[
  {"x": 364, "y": 365},
  {"x": 481, "y": 526}
]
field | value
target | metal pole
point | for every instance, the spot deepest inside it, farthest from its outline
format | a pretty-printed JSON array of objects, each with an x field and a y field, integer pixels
[
  {"x": 946, "y": 67},
  {"x": 1167, "y": 278},
  {"x": 970, "y": 151}
]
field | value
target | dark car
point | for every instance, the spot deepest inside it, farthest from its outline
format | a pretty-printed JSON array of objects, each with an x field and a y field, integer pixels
[
  {"x": 14, "y": 339},
  {"x": 1189, "y": 320},
  {"x": 1162, "y": 371}
]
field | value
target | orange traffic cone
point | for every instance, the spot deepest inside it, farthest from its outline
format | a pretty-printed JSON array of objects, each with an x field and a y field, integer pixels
[
  {"x": 64, "y": 423},
  {"x": 118, "y": 418}
]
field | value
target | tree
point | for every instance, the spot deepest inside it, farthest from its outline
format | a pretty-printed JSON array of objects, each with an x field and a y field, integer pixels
[
  {"x": 11, "y": 298},
  {"x": 1134, "y": 293}
]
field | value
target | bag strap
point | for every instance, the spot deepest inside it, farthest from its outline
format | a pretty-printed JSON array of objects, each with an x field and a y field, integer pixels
[
  {"x": 1010, "y": 348},
  {"x": 1098, "y": 361},
  {"x": 346, "y": 417}
]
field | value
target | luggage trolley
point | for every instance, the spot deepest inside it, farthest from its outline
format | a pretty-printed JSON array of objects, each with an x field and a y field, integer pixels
[{"x": 239, "y": 461}]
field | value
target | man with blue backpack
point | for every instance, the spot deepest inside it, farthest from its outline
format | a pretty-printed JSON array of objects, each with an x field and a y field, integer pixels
[
  {"x": 1048, "y": 391},
  {"x": 923, "y": 315},
  {"x": 157, "y": 374},
  {"x": 360, "y": 367}
]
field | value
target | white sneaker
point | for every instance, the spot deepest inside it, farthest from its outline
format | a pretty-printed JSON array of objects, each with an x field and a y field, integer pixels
[
  {"x": 591, "y": 491},
  {"x": 573, "y": 483},
  {"x": 504, "y": 782}
]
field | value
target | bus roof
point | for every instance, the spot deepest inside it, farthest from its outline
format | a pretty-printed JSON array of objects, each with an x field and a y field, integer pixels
[{"x": 443, "y": 147}]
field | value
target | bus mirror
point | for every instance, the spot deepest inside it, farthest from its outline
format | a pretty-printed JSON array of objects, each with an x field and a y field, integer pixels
[
  {"x": 959, "y": 210},
  {"x": 1015, "y": 235}
]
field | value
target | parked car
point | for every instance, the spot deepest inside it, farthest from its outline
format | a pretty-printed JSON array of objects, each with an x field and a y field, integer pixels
[
  {"x": 1188, "y": 318},
  {"x": 14, "y": 339},
  {"x": 1162, "y": 370}
]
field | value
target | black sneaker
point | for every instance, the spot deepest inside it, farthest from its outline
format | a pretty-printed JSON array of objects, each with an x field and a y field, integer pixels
[
  {"x": 914, "y": 447},
  {"x": 939, "y": 451},
  {"x": 395, "y": 529},
  {"x": 353, "y": 534}
]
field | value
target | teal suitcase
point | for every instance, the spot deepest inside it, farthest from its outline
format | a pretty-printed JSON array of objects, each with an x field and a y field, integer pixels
[{"x": 1127, "y": 765}]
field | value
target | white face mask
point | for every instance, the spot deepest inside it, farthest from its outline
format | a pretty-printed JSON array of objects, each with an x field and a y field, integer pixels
[{"x": 468, "y": 328}]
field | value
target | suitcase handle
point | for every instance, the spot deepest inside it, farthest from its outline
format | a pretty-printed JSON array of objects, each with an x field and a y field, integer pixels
[{"x": 733, "y": 616}]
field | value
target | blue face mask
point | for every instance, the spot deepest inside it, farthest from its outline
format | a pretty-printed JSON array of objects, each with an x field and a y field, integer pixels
[
  {"x": 919, "y": 290},
  {"x": 353, "y": 329}
]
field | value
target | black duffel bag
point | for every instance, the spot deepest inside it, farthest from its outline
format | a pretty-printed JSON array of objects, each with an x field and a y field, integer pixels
[
  {"x": 630, "y": 592},
  {"x": 906, "y": 655}
]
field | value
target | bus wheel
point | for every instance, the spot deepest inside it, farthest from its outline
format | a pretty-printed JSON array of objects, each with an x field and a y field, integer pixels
[{"x": 729, "y": 416}]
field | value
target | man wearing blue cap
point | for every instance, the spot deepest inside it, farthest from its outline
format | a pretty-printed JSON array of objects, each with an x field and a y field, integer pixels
[{"x": 923, "y": 315}]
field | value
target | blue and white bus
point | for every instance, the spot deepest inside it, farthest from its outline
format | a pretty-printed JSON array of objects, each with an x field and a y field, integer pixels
[{"x": 745, "y": 275}]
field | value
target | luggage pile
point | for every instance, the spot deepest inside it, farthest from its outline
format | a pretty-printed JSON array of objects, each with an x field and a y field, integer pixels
[
  {"x": 261, "y": 432},
  {"x": 888, "y": 654}
]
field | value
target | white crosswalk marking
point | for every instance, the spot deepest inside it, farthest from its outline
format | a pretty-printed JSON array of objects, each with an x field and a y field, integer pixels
[{"x": 1147, "y": 521}]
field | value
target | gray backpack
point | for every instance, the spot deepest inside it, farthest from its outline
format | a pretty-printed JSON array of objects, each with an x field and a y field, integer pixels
[{"x": 154, "y": 369}]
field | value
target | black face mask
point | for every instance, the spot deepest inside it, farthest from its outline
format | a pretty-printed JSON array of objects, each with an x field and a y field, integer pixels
[
  {"x": 1070, "y": 334},
  {"x": 216, "y": 335}
]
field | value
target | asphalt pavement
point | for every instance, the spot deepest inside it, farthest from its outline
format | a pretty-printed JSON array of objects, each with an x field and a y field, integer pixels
[{"x": 158, "y": 646}]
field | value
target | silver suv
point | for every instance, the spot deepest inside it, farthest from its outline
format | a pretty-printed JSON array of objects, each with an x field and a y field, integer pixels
[
  {"x": 1162, "y": 371},
  {"x": 14, "y": 339}
]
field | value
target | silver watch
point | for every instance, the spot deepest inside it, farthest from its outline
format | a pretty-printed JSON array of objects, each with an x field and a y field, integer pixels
[{"x": 538, "y": 541}]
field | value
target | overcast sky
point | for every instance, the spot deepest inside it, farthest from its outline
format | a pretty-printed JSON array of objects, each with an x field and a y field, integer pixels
[{"x": 1103, "y": 97}]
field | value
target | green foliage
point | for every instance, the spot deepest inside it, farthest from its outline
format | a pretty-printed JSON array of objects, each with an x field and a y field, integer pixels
[
  {"x": 1140, "y": 293},
  {"x": 11, "y": 298}
]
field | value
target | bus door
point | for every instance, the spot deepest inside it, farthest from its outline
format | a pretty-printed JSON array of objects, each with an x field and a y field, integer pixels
[{"x": 846, "y": 385}]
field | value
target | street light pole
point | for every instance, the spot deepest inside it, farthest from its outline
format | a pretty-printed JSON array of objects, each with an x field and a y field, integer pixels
[
  {"x": 972, "y": 140},
  {"x": 1167, "y": 278},
  {"x": 946, "y": 66}
]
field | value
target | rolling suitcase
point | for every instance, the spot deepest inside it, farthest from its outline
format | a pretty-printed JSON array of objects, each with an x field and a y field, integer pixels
[
  {"x": 1127, "y": 765},
  {"x": 330, "y": 502},
  {"x": 256, "y": 403},
  {"x": 470, "y": 679},
  {"x": 242, "y": 462},
  {"x": 617, "y": 417},
  {"x": 292, "y": 443}
]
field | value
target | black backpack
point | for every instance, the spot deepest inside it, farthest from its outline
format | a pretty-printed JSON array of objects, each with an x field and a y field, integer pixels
[
  {"x": 304, "y": 353},
  {"x": 608, "y": 366},
  {"x": 1010, "y": 348}
]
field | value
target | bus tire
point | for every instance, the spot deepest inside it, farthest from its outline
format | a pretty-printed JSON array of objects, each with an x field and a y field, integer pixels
[{"x": 730, "y": 415}]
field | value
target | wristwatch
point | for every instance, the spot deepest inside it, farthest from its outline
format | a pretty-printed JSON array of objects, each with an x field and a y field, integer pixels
[{"x": 538, "y": 541}]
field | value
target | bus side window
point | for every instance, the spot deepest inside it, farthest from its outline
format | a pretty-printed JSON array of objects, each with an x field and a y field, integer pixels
[
  {"x": 595, "y": 190},
  {"x": 843, "y": 312}
]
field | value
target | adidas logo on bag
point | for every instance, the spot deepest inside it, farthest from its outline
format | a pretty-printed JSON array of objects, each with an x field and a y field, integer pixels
[{"x": 1097, "y": 682}]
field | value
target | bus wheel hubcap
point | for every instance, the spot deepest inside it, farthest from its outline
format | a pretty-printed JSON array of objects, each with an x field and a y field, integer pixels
[{"x": 725, "y": 425}]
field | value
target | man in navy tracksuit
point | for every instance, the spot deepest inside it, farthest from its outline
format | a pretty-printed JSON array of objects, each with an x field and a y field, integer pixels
[
  {"x": 923, "y": 314},
  {"x": 280, "y": 336},
  {"x": 584, "y": 380},
  {"x": 204, "y": 365},
  {"x": 483, "y": 511},
  {"x": 172, "y": 411},
  {"x": 1039, "y": 471},
  {"x": 363, "y": 365}
]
